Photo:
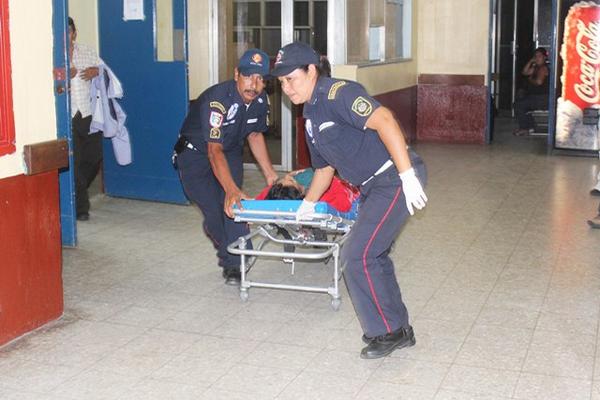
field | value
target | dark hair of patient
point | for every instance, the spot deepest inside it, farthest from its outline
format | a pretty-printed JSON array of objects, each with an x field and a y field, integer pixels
[{"x": 281, "y": 192}]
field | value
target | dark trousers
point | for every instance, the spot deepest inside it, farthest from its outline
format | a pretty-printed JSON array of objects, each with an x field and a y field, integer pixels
[
  {"x": 87, "y": 157},
  {"x": 203, "y": 189},
  {"x": 528, "y": 103},
  {"x": 368, "y": 269}
]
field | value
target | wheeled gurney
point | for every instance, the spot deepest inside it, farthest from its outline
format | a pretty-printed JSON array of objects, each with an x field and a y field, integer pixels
[{"x": 273, "y": 222}]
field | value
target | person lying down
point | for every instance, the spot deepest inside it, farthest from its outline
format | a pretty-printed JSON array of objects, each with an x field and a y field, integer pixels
[{"x": 293, "y": 185}]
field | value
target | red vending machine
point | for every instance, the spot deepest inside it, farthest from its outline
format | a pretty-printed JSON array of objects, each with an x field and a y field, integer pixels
[{"x": 578, "y": 107}]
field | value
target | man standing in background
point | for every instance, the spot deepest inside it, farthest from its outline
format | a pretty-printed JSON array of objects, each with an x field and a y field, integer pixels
[{"x": 87, "y": 147}]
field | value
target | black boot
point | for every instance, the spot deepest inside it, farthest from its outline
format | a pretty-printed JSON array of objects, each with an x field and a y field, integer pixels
[
  {"x": 232, "y": 276},
  {"x": 381, "y": 346},
  {"x": 595, "y": 222}
]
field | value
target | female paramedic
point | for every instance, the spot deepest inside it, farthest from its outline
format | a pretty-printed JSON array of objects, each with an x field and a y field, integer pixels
[{"x": 349, "y": 131}]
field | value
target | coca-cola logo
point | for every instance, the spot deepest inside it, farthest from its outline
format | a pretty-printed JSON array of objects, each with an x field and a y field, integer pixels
[{"x": 588, "y": 48}]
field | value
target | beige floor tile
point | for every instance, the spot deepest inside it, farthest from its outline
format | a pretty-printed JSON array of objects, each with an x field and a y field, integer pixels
[
  {"x": 281, "y": 356},
  {"x": 393, "y": 391},
  {"x": 344, "y": 363},
  {"x": 541, "y": 387},
  {"x": 457, "y": 395},
  {"x": 481, "y": 381},
  {"x": 486, "y": 347},
  {"x": 319, "y": 386},
  {"x": 410, "y": 372},
  {"x": 564, "y": 363},
  {"x": 153, "y": 389},
  {"x": 264, "y": 380}
]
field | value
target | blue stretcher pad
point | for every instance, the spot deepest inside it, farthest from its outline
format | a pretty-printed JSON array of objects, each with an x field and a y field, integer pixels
[{"x": 292, "y": 205}]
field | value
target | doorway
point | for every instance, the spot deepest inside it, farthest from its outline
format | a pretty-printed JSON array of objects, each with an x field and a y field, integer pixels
[
  {"x": 267, "y": 24},
  {"x": 522, "y": 26}
]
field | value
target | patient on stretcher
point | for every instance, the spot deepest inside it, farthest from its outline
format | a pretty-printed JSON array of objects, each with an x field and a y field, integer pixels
[{"x": 292, "y": 186}]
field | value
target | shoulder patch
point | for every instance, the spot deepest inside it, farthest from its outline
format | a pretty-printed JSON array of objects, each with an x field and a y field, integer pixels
[
  {"x": 362, "y": 106},
  {"x": 215, "y": 133},
  {"x": 334, "y": 88},
  {"x": 218, "y": 106},
  {"x": 215, "y": 120}
]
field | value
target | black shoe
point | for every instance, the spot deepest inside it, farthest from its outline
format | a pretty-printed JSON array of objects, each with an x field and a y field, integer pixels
[
  {"x": 595, "y": 192},
  {"x": 83, "y": 216},
  {"x": 594, "y": 223},
  {"x": 232, "y": 276},
  {"x": 381, "y": 346},
  {"x": 366, "y": 339}
]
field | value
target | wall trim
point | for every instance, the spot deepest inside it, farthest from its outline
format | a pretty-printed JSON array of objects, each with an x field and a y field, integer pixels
[
  {"x": 46, "y": 156},
  {"x": 451, "y": 79}
]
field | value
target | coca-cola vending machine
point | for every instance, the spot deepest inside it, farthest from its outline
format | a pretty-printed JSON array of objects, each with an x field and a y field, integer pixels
[{"x": 578, "y": 107}]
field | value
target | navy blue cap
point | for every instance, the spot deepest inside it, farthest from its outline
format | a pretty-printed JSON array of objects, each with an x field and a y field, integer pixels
[
  {"x": 254, "y": 61},
  {"x": 293, "y": 56}
]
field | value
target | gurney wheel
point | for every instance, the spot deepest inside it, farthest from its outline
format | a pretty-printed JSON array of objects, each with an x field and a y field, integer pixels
[
  {"x": 335, "y": 304},
  {"x": 244, "y": 295}
]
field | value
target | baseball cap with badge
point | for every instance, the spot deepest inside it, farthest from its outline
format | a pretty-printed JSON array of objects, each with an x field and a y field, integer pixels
[
  {"x": 254, "y": 61},
  {"x": 293, "y": 56}
]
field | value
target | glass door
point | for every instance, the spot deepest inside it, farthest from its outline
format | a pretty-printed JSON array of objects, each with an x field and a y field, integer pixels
[{"x": 266, "y": 24}]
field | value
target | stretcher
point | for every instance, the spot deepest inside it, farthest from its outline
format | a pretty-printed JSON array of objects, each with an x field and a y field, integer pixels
[{"x": 275, "y": 233}]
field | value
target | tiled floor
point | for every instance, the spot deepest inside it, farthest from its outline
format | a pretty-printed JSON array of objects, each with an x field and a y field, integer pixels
[{"x": 500, "y": 273}]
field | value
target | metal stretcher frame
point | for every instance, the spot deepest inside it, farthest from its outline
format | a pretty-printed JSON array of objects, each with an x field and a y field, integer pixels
[{"x": 267, "y": 219}]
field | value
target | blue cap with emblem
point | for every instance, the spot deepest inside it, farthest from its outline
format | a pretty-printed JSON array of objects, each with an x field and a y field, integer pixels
[
  {"x": 254, "y": 61},
  {"x": 293, "y": 56}
]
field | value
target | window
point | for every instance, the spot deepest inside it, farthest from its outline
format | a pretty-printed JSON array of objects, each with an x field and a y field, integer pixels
[
  {"x": 380, "y": 30},
  {"x": 7, "y": 127},
  {"x": 257, "y": 23}
]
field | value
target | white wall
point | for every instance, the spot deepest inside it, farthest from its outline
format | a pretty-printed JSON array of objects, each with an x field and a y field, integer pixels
[
  {"x": 387, "y": 77},
  {"x": 85, "y": 15},
  {"x": 198, "y": 50},
  {"x": 32, "y": 81},
  {"x": 453, "y": 36}
]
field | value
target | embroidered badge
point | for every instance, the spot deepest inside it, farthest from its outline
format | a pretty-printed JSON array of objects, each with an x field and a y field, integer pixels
[
  {"x": 216, "y": 119},
  {"x": 232, "y": 111},
  {"x": 308, "y": 127},
  {"x": 334, "y": 88},
  {"x": 218, "y": 106},
  {"x": 362, "y": 107},
  {"x": 215, "y": 133},
  {"x": 326, "y": 125},
  {"x": 257, "y": 58},
  {"x": 278, "y": 58}
]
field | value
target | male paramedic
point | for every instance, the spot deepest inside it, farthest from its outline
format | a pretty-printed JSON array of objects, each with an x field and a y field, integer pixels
[{"x": 208, "y": 153}]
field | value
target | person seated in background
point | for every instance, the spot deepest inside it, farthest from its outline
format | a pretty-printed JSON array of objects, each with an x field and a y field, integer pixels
[
  {"x": 595, "y": 222},
  {"x": 292, "y": 186},
  {"x": 535, "y": 94},
  {"x": 596, "y": 189}
]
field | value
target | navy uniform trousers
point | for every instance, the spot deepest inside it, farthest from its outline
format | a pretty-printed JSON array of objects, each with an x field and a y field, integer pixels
[
  {"x": 368, "y": 269},
  {"x": 203, "y": 189},
  {"x": 87, "y": 158}
]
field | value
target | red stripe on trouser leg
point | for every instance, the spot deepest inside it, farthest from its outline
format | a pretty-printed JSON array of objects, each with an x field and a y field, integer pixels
[{"x": 371, "y": 287}]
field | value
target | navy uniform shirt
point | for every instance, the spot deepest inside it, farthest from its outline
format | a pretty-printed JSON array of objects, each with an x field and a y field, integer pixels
[
  {"x": 219, "y": 115},
  {"x": 335, "y": 130}
]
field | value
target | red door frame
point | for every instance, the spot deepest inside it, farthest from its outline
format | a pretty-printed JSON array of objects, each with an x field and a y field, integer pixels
[{"x": 7, "y": 125}]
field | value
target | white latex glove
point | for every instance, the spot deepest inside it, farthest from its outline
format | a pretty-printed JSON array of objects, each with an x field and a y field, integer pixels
[
  {"x": 305, "y": 211},
  {"x": 413, "y": 191}
]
